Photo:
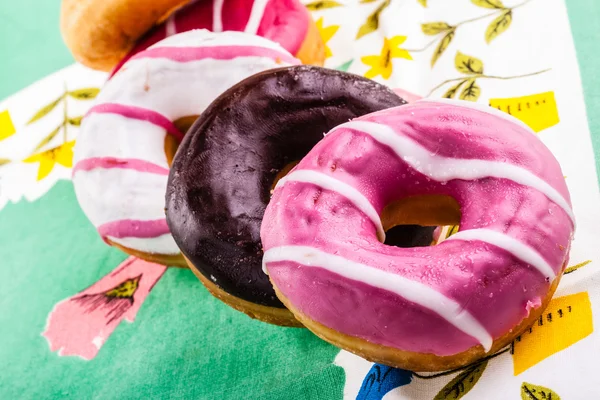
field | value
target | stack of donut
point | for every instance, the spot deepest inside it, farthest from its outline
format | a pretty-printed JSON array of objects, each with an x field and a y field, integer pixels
[{"x": 335, "y": 232}]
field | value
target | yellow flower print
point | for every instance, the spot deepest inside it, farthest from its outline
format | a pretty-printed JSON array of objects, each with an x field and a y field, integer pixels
[
  {"x": 382, "y": 64},
  {"x": 62, "y": 155},
  {"x": 326, "y": 34}
]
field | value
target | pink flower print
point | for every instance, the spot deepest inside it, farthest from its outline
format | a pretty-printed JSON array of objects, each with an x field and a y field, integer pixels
[{"x": 81, "y": 324}]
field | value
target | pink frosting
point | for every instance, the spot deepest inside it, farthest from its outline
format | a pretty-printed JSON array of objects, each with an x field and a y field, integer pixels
[
  {"x": 283, "y": 21},
  {"x": 133, "y": 112},
  {"x": 134, "y": 228},
  {"x": 492, "y": 284},
  {"x": 135, "y": 164}
]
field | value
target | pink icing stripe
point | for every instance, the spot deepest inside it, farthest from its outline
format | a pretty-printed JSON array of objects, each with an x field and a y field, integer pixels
[
  {"x": 285, "y": 22},
  {"x": 122, "y": 163},
  {"x": 134, "y": 228},
  {"x": 140, "y": 113},
  {"x": 187, "y": 54}
]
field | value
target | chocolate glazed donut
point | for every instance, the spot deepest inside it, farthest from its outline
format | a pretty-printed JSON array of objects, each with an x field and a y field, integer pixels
[{"x": 224, "y": 169}]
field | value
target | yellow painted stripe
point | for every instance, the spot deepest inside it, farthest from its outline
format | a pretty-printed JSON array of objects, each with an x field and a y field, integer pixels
[
  {"x": 7, "y": 127},
  {"x": 566, "y": 321},
  {"x": 538, "y": 111}
]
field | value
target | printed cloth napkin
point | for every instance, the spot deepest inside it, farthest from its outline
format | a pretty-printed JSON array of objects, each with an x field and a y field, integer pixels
[{"x": 65, "y": 295}]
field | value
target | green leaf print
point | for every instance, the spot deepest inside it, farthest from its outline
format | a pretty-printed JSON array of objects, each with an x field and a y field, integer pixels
[
  {"x": 462, "y": 383},
  {"x": 535, "y": 392}
]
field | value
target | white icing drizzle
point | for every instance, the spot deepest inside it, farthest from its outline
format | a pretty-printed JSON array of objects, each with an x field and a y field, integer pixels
[
  {"x": 328, "y": 183},
  {"x": 445, "y": 169},
  {"x": 256, "y": 14},
  {"x": 518, "y": 249},
  {"x": 410, "y": 290},
  {"x": 217, "y": 16},
  {"x": 164, "y": 76},
  {"x": 170, "y": 28}
]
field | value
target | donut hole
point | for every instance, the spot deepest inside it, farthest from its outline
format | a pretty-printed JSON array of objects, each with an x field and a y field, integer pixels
[
  {"x": 409, "y": 236},
  {"x": 403, "y": 220},
  {"x": 284, "y": 171},
  {"x": 171, "y": 143}
]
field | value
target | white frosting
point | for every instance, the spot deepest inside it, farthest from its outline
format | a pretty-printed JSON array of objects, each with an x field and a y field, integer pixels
[
  {"x": 217, "y": 16},
  {"x": 256, "y": 15},
  {"x": 107, "y": 195},
  {"x": 328, "y": 183},
  {"x": 137, "y": 139},
  {"x": 172, "y": 89},
  {"x": 518, "y": 249},
  {"x": 445, "y": 169},
  {"x": 410, "y": 290}
]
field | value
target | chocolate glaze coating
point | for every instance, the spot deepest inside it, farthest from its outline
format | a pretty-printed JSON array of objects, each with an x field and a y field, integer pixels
[{"x": 222, "y": 173}]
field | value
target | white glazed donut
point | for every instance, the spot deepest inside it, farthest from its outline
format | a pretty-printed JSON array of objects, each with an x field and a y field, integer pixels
[{"x": 123, "y": 151}]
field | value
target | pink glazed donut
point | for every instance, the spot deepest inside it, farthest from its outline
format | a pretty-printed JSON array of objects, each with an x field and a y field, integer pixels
[
  {"x": 434, "y": 163},
  {"x": 286, "y": 22}
]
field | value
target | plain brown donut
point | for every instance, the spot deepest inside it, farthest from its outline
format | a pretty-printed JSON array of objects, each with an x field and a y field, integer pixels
[{"x": 100, "y": 33}]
